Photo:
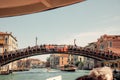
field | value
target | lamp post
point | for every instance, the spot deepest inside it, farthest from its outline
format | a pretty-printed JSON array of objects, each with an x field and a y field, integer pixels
[
  {"x": 36, "y": 41},
  {"x": 75, "y": 42}
]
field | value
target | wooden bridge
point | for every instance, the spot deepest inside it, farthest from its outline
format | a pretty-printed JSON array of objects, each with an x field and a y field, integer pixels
[{"x": 11, "y": 56}]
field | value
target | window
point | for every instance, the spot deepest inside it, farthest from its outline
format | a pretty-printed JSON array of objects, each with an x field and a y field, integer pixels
[
  {"x": 5, "y": 50},
  {"x": 6, "y": 39},
  {"x": 1, "y": 49},
  {"x": 80, "y": 59},
  {"x": 101, "y": 47},
  {"x": 110, "y": 44}
]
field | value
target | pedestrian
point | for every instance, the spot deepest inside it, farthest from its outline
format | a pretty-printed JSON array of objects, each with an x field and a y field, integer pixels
[
  {"x": 86, "y": 77},
  {"x": 103, "y": 73}
]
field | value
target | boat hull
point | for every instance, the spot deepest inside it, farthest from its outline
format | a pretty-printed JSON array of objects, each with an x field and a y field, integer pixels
[{"x": 72, "y": 70}]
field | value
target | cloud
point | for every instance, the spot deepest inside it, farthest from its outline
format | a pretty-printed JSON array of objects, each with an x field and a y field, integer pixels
[
  {"x": 83, "y": 38},
  {"x": 87, "y": 37}
]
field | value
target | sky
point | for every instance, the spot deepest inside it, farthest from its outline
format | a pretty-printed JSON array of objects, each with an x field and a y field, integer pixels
[{"x": 85, "y": 22}]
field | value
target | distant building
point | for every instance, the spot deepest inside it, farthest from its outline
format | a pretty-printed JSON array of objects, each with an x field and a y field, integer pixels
[
  {"x": 89, "y": 63},
  {"x": 35, "y": 63},
  {"x": 78, "y": 60},
  {"x": 63, "y": 59},
  {"x": 58, "y": 60},
  {"x": 54, "y": 60},
  {"x": 30, "y": 63}
]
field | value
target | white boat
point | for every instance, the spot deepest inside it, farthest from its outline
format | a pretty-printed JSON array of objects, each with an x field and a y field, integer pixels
[{"x": 55, "y": 78}]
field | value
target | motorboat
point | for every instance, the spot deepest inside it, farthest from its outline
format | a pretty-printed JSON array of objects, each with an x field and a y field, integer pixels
[{"x": 69, "y": 68}]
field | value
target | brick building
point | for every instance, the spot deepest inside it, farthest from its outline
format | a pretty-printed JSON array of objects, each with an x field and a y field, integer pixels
[{"x": 109, "y": 43}]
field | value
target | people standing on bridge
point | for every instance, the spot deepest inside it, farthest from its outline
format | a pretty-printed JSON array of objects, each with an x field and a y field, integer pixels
[{"x": 65, "y": 48}]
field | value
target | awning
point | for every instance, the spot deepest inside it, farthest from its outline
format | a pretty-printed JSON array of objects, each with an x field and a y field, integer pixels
[{"x": 20, "y": 7}]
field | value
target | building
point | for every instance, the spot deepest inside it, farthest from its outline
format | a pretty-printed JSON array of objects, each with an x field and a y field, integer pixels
[
  {"x": 63, "y": 59},
  {"x": 7, "y": 43},
  {"x": 89, "y": 63},
  {"x": 78, "y": 61},
  {"x": 35, "y": 63},
  {"x": 58, "y": 60},
  {"x": 109, "y": 43},
  {"x": 54, "y": 60}
]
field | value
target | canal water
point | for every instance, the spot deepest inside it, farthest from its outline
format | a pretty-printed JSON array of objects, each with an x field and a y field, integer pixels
[{"x": 43, "y": 74}]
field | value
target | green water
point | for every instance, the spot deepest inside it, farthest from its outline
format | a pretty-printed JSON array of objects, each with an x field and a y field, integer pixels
[{"x": 42, "y": 74}]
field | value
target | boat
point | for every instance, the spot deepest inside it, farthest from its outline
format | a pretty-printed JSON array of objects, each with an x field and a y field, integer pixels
[
  {"x": 68, "y": 68},
  {"x": 5, "y": 72},
  {"x": 55, "y": 78},
  {"x": 48, "y": 69}
]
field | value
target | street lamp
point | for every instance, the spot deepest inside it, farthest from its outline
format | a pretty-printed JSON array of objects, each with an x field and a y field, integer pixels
[
  {"x": 36, "y": 41},
  {"x": 75, "y": 42}
]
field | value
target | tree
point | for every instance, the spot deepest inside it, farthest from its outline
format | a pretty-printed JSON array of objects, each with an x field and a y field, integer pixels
[{"x": 79, "y": 64}]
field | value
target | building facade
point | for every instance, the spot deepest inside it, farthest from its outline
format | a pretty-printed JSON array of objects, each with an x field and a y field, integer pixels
[
  {"x": 7, "y": 43},
  {"x": 54, "y": 60},
  {"x": 109, "y": 43},
  {"x": 58, "y": 60},
  {"x": 89, "y": 63},
  {"x": 78, "y": 61},
  {"x": 63, "y": 59},
  {"x": 106, "y": 42}
]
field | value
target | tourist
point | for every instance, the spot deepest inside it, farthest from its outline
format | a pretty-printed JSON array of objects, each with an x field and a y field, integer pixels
[
  {"x": 103, "y": 73},
  {"x": 86, "y": 77}
]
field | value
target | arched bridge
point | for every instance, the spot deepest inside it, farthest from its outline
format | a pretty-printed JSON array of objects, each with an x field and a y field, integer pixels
[{"x": 11, "y": 56}]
